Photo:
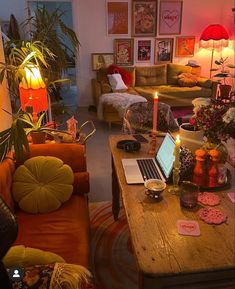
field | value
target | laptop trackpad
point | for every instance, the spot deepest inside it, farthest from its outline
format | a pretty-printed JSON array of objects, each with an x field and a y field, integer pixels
[{"x": 133, "y": 174}]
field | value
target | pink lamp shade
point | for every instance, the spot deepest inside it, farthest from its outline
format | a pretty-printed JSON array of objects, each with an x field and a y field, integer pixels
[
  {"x": 214, "y": 36},
  {"x": 33, "y": 92}
]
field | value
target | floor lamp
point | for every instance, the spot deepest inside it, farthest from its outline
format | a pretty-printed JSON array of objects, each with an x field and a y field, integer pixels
[{"x": 214, "y": 36}]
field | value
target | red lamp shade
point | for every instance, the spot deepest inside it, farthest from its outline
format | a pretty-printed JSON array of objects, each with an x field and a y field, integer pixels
[
  {"x": 33, "y": 92},
  {"x": 214, "y": 36}
]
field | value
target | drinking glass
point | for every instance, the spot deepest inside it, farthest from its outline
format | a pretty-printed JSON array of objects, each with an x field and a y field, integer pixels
[{"x": 188, "y": 194}]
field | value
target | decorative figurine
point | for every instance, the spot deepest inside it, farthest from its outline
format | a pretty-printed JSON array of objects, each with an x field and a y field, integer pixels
[{"x": 72, "y": 127}]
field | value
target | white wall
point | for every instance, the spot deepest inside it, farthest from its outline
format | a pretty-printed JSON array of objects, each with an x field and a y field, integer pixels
[{"x": 91, "y": 28}]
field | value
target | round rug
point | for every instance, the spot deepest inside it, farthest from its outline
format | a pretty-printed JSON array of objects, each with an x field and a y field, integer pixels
[{"x": 113, "y": 262}]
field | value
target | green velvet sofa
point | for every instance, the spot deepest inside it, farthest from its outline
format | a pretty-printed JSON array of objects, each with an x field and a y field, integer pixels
[{"x": 163, "y": 78}]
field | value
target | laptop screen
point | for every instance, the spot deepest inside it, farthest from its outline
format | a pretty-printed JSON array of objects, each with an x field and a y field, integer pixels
[{"x": 165, "y": 157}]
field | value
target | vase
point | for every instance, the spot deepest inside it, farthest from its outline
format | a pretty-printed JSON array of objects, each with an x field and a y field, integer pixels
[
  {"x": 190, "y": 138},
  {"x": 209, "y": 145}
]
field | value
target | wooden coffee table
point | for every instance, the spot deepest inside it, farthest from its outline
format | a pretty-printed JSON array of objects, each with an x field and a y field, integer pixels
[{"x": 165, "y": 258}]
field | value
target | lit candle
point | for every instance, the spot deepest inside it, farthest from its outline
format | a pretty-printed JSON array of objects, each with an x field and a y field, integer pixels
[
  {"x": 177, "y": 152},
  {"x": 155, "y": 108}
]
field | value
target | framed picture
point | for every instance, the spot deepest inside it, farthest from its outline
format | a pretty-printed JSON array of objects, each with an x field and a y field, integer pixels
[
  {"x": 143, "y": 50},
  {"x": 100, "y": 60},
  {"x": 170, "y": 17},
  {"x": 184, "y": 46},
  {"x": 163, "y": 50},
  {"x": 117, "y": 17},
  {"x": 123, "y": 51},
  {"x": 144, "y": 15}
]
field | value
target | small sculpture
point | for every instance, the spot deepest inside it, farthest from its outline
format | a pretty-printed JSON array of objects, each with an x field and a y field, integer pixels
[{"x": 72, "y": 127}]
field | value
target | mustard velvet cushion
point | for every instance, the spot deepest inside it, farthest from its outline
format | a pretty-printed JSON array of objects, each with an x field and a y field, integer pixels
[
  {"x": 187, "y": 79},
  {"x": 42, "y": 184},
  {"x": 22, "y": 256}
]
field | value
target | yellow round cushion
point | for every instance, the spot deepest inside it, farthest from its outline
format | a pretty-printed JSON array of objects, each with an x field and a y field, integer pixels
[
  {"x": 42, "y": 184},
  {"x": 22, "y": 256}
]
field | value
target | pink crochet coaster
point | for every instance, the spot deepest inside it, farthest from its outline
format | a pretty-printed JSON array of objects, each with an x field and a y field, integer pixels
[
  {"x": 207, "y": 198},
  {"x": 212, "y": 215},
  {"x": 231, "y": 196},
  {"x": 190, "y": 228}
]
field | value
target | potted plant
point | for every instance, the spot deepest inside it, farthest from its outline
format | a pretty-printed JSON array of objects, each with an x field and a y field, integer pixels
[
  {"x": 224, "y": 73},
  {"x": 17, "y": 135}
]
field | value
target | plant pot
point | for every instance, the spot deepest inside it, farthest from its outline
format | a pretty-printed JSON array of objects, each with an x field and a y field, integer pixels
[
  {"x": 225, "y": 90},
  {"x": 38, "y": 137},
  {"x": 190, "y": 138}
]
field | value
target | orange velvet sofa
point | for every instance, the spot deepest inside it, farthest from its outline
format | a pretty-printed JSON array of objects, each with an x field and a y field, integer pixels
[{"x": 65, "y": 231}]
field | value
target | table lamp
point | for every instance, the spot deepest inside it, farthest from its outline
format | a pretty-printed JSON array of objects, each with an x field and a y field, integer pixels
[
  {"x": 214, "y": 36},
  {"x": 33, "y": 92}
]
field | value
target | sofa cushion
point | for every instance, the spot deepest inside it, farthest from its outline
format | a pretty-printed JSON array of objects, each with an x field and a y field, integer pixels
[
  {"x": 173, "y": 70},
  {"x": 151, "y": 75},
  {"x": 174, "y": 95},
  {"x": 187, "y": 79},
  {"x": 65, "y": 232},
  {"x": 25, "y": 256},
  {"x": 126, "y": 75},
  {"x": 116, "y": 82},
  {"x": 42, "y": 184}
]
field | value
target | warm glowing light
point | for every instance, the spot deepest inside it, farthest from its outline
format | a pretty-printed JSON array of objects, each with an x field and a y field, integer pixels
[
  {"x": 156, "y": 95},
  {"x": 33, "y": 78},
  {"x": 178, "y": 139}
]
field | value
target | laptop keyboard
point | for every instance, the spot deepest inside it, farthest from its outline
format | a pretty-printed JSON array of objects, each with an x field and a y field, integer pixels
[{"x": 148, "y": 169}]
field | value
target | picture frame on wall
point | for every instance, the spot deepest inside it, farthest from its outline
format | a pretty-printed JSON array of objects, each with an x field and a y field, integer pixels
[
  {"x": 170, "y": 17},
  {"x": 123, "y": 51},
  {"x": 143, "y": 50},
  {"x": 101, "y": 60},
  {"x": 163, "y": 50},
  {"x": 144, "y": 18},
  {"x": 184, "y": 46},
  {"x": 117, "y": 17}
]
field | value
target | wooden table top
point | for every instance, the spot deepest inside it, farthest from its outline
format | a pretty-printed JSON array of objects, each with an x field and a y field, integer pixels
[{"x": 159, "y": 249}]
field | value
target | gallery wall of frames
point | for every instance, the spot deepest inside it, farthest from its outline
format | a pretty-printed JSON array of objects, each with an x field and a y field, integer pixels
[{"x": 155, "y": 33}]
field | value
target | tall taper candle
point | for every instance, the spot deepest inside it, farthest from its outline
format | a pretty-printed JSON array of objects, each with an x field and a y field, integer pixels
[
  {"x": 155, "y": 109},
  {"x": 177, "y": 152}
]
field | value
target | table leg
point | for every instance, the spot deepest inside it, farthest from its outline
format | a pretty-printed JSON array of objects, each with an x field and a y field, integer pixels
[{"x": 115, "y": 194}]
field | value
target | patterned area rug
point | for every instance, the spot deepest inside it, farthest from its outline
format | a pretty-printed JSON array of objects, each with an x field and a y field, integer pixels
[{"x": 114, "y": 264}]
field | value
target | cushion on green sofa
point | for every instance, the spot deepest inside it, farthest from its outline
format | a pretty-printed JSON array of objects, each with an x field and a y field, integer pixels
[
  {"x": 42, "y": 184},
  {"x": 173, "y": 70},
  {"x": 187, "y": 79},
  {"x": 151, "y": 75},
  {"x": 22, "y": 256},
  {"x": 204, "y": 82}
]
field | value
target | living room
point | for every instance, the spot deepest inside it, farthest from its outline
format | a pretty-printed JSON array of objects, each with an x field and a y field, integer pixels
[{"x": 91, "y": 27}]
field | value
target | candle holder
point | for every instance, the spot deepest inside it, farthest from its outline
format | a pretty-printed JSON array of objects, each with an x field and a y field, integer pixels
[
  {"x": 153, "y": 143},
  {"x": 176, "y": 177}
]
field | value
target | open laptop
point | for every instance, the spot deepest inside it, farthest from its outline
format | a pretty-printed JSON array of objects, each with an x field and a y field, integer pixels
[{"x": 137, "y": 170}]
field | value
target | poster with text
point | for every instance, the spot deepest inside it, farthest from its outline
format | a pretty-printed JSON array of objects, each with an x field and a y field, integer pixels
[{"x": 170, "y": 17}]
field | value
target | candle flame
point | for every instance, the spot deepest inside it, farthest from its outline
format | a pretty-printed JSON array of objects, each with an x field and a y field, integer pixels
[
  {"x": 156, "y": 95},
  {"x": 178, "y": 138}
]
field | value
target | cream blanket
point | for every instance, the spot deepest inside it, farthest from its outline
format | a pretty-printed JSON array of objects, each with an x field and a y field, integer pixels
[{"x": 119, "y": 100}]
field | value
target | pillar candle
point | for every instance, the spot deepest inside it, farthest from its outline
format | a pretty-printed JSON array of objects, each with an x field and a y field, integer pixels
[
  {"x": 177, "y": 152},
  {"x": 155, "y": 109}
]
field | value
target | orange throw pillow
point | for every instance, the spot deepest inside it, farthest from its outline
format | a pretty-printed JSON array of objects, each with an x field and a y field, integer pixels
[{"x": 187, "y": 79}]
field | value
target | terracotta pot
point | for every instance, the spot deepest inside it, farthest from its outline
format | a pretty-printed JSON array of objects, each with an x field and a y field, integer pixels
[
  {"x": 38, "y": 137},
  {"x": 190, "y": 138},
  {"x": 225, "y": 90}
]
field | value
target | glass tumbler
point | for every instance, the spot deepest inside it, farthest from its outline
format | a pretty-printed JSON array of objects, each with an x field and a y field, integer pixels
[{"x": 188, "y": 194}]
